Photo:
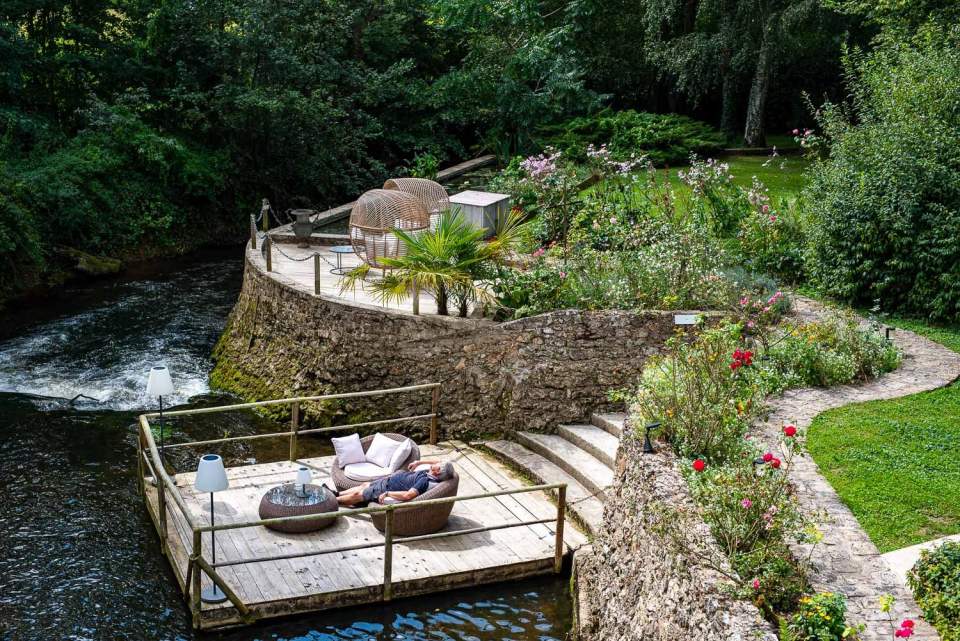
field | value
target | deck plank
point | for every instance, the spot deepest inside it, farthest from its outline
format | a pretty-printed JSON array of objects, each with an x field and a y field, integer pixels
[{"x": 316, "y": 582}]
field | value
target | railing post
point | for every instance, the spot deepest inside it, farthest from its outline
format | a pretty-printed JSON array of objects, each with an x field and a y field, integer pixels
[
  {"x": 388, "y": 555},
  {"x": 162, "y": 512},
  {"x": 316, "y": 274},
  {"x": 294, "y": 426},
  {"x": 265, "y": 214},
  {"x": 253, "y": 231},
  {"x": 195, "y": 593},
  {"x": 561, "y": 515},
  {"x": 435, "y": 406},
  {"x": 140, "y": 470},
  {"x": 268, "y": 252}
]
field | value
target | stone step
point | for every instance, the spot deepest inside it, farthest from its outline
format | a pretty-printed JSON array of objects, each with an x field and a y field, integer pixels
[
  {"x": 589, "y": 509},
  {"x": 598, "y": 442},
  {"x": 611, "y": 422},
  {"x": 580, "y": 464}
]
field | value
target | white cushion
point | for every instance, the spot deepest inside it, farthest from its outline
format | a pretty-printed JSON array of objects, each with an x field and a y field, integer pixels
[
  {"x": 365, "y": 471},
  {"x": 381, "y": 450},
  {"x": 423, "y": 467},
  {"x": 400, "y": 456},
  {"x": 348, "y": 449}
]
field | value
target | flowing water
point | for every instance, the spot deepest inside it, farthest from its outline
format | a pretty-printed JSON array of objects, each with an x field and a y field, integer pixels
[{"x": 79, "y": 558}]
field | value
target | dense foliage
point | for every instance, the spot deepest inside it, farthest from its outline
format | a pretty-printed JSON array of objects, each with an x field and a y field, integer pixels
[
  {"x": 885, "y": 202},
  {"x": 935, "y": 581}
]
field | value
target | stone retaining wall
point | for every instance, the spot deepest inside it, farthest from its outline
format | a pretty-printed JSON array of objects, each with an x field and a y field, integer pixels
[
  {"x": 633, "y": 585},
  {"x": 531, "y": 374}
]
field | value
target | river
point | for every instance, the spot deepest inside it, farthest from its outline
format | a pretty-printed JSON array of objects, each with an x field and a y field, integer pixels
[{"x": 79, "y": 558}]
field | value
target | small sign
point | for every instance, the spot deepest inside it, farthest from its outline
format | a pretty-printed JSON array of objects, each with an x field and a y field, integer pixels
[{"x": 685, "y": 319}]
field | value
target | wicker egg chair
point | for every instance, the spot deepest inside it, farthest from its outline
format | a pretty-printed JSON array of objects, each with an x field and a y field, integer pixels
[
  {"x": 374, "y": 217},
  {"x": 428, "y": 519},
  {"x": 432, "y": 194},
  {"x": 343, "y": 482}
]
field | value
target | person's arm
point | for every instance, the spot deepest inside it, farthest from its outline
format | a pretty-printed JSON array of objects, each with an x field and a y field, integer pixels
[
  {"x": 417, "y": 464},
  {"x": 404, "y": 496}
]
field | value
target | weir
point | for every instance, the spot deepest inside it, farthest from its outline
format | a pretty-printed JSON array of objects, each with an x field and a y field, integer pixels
[{"x": 500, "y": 528}]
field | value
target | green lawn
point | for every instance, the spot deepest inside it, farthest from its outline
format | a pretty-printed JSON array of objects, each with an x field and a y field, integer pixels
[
  {"x": 896, "y": 463},
  {"x": 783, "y": 176}
]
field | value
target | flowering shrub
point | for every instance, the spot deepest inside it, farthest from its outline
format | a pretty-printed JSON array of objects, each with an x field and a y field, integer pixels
[
  {"x": 935, "y": 581},
  {"x": 820, "y": 618},
  {"x": 771, "y": 239},
  {"x": 717, "y": 202},
  {"x": 831, "y": 351}
]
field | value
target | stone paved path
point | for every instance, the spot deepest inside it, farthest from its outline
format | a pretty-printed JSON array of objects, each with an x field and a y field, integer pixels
[{"x": 847, "y": 561}]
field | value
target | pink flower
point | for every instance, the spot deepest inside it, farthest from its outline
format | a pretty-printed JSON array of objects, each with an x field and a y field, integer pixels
[
  {"x": 539, "y": 252},
  {"x": 563, "y": 274},
  {"x": 746, "y": 503},
  {"x": 765, "y": 209},
  {"x": 796, "y": 132},
  {"x": 773, "y": 219},
  {"x": 756, "y": 584},
  {"x": 907, "y": 623},
  {"x": 903, "y": 633},
  {"x": 613, "y": 220}
]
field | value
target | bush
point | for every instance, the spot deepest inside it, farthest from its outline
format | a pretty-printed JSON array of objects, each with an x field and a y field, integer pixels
[
  {"x": 885, "y": 203},
  {"x": 935, "y": 581},
  {"x": 832, "y": 351},
  {"x": 820, "y": 618},
  {"x": 662, "y": 138}
]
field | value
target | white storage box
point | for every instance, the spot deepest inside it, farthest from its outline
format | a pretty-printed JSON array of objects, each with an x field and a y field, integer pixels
[{"x": 481, "y": 208}]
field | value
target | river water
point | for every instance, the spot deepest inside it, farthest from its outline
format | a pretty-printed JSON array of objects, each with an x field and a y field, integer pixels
[{"x": 79, "y": 558}]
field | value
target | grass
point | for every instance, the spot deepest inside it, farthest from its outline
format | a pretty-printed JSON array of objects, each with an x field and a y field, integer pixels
[
  {"x": 783, "y": 176},
  {"x": 894, "y": 463}
]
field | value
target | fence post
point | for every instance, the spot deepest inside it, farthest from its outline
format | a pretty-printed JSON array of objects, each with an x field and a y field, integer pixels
[
  {"x": 294, "y": 426},
  {"x": 268, "y": 249},
  {"x": 316, "y": 274},
  {"x": 253, "y": 231},
  {"x": 388, "y": 556},
  {"x": 140, "y": 470},
  {"x": 561, "y": 515},
  {"x": 435, "y": 407},
  {"x": 162, "y": 512},
  {"x": 265, "y": 214},
  {"x": 195, "y": 595}
]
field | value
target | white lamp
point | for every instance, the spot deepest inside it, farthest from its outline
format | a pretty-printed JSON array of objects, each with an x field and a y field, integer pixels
[
  {"x": 211, "y": 477},
  {"x": 160, "y": 384},
  {"x": 303, "y": 479}
]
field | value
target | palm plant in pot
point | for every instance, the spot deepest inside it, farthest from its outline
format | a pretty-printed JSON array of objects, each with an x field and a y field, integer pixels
[{"x": 451, "y": 261}]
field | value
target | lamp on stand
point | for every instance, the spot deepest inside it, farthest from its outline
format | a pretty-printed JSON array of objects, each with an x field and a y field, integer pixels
[
  {"x": 160, "y": 384},
  {"x": 303, "y": 480},
  {"x": 647, "y": 445},
  {"x": 211, "y": 477}
]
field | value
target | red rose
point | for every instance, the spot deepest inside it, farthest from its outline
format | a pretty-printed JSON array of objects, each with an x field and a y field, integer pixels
[
  {"x": 790, "y": 430},
  {"x": 775, "y": 463},
  {"x": 699, "y": 465},
  {"x": 907, "y": 623},
  {"x": 767, "y": 457}
]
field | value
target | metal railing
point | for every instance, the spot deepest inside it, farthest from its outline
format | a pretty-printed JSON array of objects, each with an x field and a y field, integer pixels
[{"x": 149, "y": 460}]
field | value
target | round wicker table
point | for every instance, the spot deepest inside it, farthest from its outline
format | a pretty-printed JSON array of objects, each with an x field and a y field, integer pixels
[{"x": 284, "y": 500}]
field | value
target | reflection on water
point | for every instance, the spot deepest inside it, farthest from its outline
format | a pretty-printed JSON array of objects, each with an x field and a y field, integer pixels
[{"x": 78, "y": 555}]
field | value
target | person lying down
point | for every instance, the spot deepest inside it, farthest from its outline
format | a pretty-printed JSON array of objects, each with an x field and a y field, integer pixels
[{"x": 402, "y": 485}]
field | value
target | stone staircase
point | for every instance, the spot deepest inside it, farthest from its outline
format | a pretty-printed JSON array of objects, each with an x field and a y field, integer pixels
[{"x": 582, "y": 456}]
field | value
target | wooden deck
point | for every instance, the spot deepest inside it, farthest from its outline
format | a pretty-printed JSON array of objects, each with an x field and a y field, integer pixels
[{"x": 311, "y": 583}]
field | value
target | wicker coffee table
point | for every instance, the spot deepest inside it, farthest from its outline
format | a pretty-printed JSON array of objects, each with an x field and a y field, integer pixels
[{"x": 284, "y": 500}]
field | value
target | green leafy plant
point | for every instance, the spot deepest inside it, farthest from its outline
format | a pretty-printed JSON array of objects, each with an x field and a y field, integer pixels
[
  {"x": 935, "y": 581},
  {"x": 820, "y": 617},
  {"x": 425, "y": 165}
]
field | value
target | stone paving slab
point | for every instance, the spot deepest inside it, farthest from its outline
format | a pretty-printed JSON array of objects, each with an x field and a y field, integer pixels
[
  {"x": 900, "y": 561},
  {"x": 847, "y": 561}
]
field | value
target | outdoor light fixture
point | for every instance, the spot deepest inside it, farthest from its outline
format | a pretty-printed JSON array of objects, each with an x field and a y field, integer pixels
[
  {"x": 211, "y": 477},
  {"x": 159, "y": 384},
  {"x": 303, "y": 479},
  {"x": 647, "y": 445},
  {"x": 887, "y": 330}
]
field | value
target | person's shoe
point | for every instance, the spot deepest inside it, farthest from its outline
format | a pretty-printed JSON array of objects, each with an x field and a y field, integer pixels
[{"x": 331, "y": 490}]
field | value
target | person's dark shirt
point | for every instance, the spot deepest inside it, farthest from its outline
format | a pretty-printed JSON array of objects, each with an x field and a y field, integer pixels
[{"x": 403, "y": 481}]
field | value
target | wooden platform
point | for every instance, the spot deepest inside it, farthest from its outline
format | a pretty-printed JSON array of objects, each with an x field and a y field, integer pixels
[{"x": 282, "y": 587}]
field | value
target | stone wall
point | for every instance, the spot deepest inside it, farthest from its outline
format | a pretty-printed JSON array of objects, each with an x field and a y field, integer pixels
[
  {"x": 532, "y": 373},
  {"x": 634, "y": 584}
]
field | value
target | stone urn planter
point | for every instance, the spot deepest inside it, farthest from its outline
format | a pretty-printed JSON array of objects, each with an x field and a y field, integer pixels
[{"x": 302, "y": 226}]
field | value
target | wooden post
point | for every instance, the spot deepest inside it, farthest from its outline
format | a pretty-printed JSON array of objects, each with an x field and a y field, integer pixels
[
  {"x": 388, "y": 556},
  {"x": 435, "y": 409},
  {"x": 265, "y": 214},
  {"x": 253, "y": 231},
  {"x": 294, "y": 426},
  {"x": 162, "y": 513},
  {"x": 140, "y": 471},
  {"x": 316, "y": 274},
  {"x": 268, "y": 249},
  {"x": 561, "y": 515},
  {"x": 195, "y": 593}
]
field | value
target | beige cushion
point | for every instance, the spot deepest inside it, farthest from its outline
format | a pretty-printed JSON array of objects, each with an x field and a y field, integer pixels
[
  {"x": 381, "y": 450},
  {"x": 349, "y": 449},
  {"x": 365, "y": 471}
]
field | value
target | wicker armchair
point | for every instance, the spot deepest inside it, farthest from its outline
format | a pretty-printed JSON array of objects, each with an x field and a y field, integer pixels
[
  {"x": 431, "y": 194},
  {"x": 374, "y": 217},
  {"x": 423, "y": 520},
  {"x": 344, "y": 482}
]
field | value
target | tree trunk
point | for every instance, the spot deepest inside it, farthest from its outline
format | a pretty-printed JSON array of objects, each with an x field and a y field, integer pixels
[
  {"x": 728, "y": 110},
  {"x": 754, "y": 134},
  {"x": 442, "y": 301}
]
